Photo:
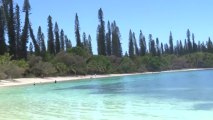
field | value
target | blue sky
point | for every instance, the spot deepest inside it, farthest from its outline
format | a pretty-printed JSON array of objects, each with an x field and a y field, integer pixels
[{"x": 156, "y": 17}]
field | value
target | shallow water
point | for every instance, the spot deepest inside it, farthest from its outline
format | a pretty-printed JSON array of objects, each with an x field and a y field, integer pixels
[{"x": 163, "y": 96}]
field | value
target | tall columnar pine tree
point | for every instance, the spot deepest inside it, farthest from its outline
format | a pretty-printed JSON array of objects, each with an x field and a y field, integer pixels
[
  {"x": 158, "y": 47},
  {"x": 3, "y": 47},
  {"x": 68, "y": 43},
  {"x": 36, "y": 46},
  {"x": 39, "y": 35},
  {"x": 190, "y": 49},
  {"x": 101, "y": 34},
  {"x": 43, "y": 46},
  {"x": 171, "y": 47},
  {"x": 142, "y": 44},
  {"x": 62, "y": 40},
  {"x": 177, "y": 48},
  {"x": 181, "y": 48},
  {"x": 152, "y": 45},
  {"x": 51, "y": 46},
  {"x": 77, "y": 31},
  {"x": 40, "y": 41},
  {"x": 131, "y": 45},
  {"x": 186, "y": 47},
  {"x": 108, "y": 40},
  {"x": 162, "y": 49},
  {"x": 116, "y": 44},
  {"x": 84, "y": 38},
  {"x": 57, "y": 39},
  {"x": 31, "y": 48},
  {"x": 25, "y": 31},
  {"x": 194, "y": 44},
  {"x": 135, "y": 45},
  {"x": 18, "y": 30},
  {"x": 209, "y": 45},
  {"x": 166, "y": 48},
  {"x": 10, "y": 22},
  {"x": 85, "y": 42},
  {"x": 90, "y": 44}
]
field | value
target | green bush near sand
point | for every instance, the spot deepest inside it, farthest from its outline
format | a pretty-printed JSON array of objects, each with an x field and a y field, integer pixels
[{"x": 66, "y": 63}]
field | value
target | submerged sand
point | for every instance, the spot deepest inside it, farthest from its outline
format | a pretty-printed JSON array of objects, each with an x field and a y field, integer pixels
[{"x": 26, "y": 81}]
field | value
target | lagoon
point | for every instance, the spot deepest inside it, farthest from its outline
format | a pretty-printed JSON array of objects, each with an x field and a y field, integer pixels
[{"x": 161, "y": 96}]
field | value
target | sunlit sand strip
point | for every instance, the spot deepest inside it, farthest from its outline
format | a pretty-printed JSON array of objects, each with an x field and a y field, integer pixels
[{"x": 25, "y": 81}]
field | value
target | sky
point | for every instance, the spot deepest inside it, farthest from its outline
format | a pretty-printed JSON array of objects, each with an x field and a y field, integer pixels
[{"x": 156, "y": 17}]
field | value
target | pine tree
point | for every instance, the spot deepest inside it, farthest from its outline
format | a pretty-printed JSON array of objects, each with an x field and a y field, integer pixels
[
  {"x": 171, "y": 47},
  {"x": 131, "y": 45},
  {"x": 101, "y": 34},
  {"x": 142, "y": 44},
  {"x": 43, "y": 46},
  {"x": 152, "y": 45},
  {"x": 162, "y": 49},
  {"x": 62, "y": 39},
  {"x": 9, "y": 12},
  {"x": 51, "y": 46},
  {"x": 177, "y": 48},
  {"x": 39, "y": 36},
  {"x": 3, "y": 47},
  {"x": 108, "y": 40},
  {"x": 186, "y": 48},
  {"x": 194, "y": 44},
  {"x": 135, "y": 45},
  {"x": 31, "y": 48},
  {"x": 57, "y": 39},
  {"x": 158, "y": 47},
  {"x": 36, "y": 46},
  {"x": 68, "y": 43},
  {"x": 209, "y": 45},
  {"x": 25, "y": 32},
  {"x": 90, "y": 45},
  {"x": 77, "y": 31},
  {"x": 190, "y": 49},
  {"x": 84, "y": 38},
  {"x": 181, "y": 48},
  {"x": 18, "y": 31},
  {"x": 166, "y": 48},
  {"x": 116, "y": 44}
]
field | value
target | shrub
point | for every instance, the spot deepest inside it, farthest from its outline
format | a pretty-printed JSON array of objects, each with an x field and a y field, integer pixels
[
  {"x": 75, "y": 64},
  {"x": 98, "y": 65},
  {"x": 127, "y": 66},
  {"x": 43, "y": 69}
]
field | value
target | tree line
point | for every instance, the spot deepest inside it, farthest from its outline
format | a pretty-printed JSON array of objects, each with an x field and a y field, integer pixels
[
  {"x": 56, "y": 54},
  {"x": 108, "y": 40}
]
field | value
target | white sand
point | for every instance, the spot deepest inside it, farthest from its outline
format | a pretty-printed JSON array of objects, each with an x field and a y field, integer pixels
[{"x": 25, "y": 81}]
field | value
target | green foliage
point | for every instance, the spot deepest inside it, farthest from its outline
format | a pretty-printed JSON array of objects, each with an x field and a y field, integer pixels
[
  {"x": 42, "y": 69},
  {"x": 152, "y": 63},
  {"x": 127, "y": 66},
  {"x": 98, "y": 65},
  {"x": 79, "y": 51},
  {"x": 116, "y": 44},
  {"x": 131, "y": 45},
  {"x": 101, "y": 34},
  {"x": 61, "y": 68},
  {"x": 2, "y": 33},
  {"x": 51, "y": 45},
  {"x": 11, "y": 69},
  {"x": 75, "y": 64},
  {"x": 77, "y": 31},
  {"x": 57, "y": 39}
]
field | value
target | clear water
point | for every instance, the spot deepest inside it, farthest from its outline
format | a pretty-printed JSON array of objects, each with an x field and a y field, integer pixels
[{"x": 164, "y": 96}]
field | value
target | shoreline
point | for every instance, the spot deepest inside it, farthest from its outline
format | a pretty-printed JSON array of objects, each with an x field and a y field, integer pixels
[{"x": 28, "y": 81}]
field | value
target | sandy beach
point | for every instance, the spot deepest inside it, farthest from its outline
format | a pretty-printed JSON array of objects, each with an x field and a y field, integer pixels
[{"x": 26, "y": 81}]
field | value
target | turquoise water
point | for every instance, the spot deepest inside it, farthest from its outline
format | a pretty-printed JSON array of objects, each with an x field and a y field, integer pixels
[{"x": 163, "y": 96}]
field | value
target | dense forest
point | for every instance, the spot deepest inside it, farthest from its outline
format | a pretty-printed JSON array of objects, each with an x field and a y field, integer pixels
[{"x": 26, "y": 54}]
